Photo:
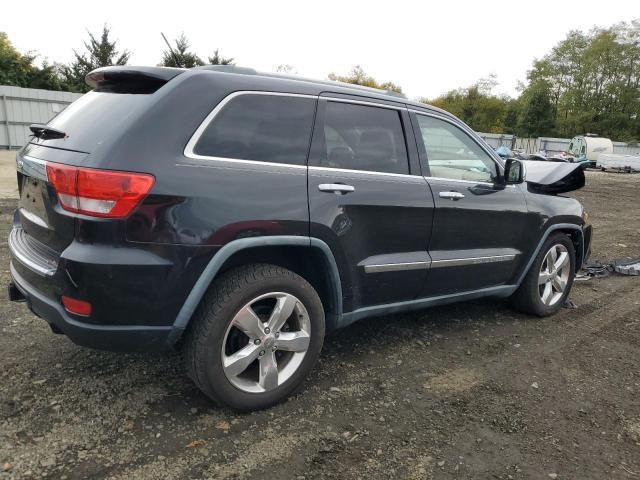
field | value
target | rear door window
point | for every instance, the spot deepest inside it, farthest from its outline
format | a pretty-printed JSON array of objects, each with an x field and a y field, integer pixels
[
  {"x": 362, "y": 137},
  {"x": 264, "y": 128}
]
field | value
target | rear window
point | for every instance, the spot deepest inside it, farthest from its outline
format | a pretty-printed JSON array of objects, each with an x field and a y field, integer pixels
[
  {"x": 93, "y": 118},
  {"x": 265, "y": 128}
]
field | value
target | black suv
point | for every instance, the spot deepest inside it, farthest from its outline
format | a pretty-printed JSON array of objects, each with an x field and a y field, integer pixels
[{"x": 238, "y": 216}]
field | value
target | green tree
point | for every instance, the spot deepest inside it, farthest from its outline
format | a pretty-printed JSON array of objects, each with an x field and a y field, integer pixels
[
  {"x": 476, "y": 105},
  {"x": 593, "y": 81},
  {"x": 216, "y": 59},
  {"x": 358, "y": 76},
  {"x": 180, "y": 56},
  {"x": 19, "y": 70},
  {"x": 99, "y": 52},
  {"x": 15, "y": 68},
  {"x": 537, "y": 112}
]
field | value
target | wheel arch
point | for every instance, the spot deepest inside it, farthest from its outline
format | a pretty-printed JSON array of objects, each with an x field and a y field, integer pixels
[
  {"x": 573, "y": 231},
  {"x": 310, "y": 258}
]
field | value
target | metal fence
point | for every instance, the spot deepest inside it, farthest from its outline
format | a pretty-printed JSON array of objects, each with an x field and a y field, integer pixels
[{"x": 20, "y": 107}]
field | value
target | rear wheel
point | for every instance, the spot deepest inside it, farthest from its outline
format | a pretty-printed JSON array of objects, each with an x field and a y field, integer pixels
[
  {"x": 255, "y": 337},
  {"x": 550, "y": 278}
]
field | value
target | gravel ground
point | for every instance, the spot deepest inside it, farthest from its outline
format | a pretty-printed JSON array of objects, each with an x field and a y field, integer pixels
[{"x": 466, "y": 391}]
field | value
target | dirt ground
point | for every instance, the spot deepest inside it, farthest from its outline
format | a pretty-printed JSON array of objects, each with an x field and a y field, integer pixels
[{"x": 466, "y": 391}]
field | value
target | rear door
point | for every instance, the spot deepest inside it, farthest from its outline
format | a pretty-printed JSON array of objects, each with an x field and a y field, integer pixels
[
  {"x": 478, "y": 229},
  {"x": 368, "y": 200}
]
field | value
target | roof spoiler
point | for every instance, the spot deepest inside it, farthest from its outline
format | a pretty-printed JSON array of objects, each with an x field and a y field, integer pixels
[{"x": 126, "y": 79}]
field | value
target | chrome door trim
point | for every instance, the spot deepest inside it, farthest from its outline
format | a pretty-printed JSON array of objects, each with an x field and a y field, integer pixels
[
  {"x": 193, "y": 141},
  {"x": 458, "y": 262},
  {"x": 396, "y": 267}
]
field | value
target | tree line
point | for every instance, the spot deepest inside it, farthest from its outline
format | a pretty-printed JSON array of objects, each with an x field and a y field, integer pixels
[
  {"x": 21, "y": 70},
  {"x": 588, "y": 82}
]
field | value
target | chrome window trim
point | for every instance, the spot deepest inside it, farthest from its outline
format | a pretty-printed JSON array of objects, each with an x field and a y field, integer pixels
[
  {"x": 449, "y": 180},
  {"x": 457, "y": 262},
  {"x": 443, "y": 179},
  {"x": 364, "y": 102},
  {"x": 366, "y": 172},
  {"x": 193, "y": 141},
  {"x": 395, "y": 267},
  {"x": 236, "y": 160},
  {"x": 467, "y": 131}
]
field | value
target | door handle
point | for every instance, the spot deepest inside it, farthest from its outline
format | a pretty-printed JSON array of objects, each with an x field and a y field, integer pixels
[
  {"x": 451, "y": 195},
  {"x": 337, "y": 188}
]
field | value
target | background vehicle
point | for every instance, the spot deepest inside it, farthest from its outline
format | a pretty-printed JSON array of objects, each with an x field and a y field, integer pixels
[
  {"x": 586, "y": 148},
  {"x": 238, "y": 216}
]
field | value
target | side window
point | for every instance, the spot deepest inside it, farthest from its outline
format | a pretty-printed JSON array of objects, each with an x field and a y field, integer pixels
[
  {"x": 267, "y": 128},
  {"x": 452, "y": 154},
  {"x": 360, "y": 137}
]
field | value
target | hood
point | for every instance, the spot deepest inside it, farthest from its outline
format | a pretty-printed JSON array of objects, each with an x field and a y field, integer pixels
[{"x": 553, "y": 177}]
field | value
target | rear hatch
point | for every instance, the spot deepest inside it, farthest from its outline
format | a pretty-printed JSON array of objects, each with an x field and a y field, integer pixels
[{"x": 45, "y": 221}]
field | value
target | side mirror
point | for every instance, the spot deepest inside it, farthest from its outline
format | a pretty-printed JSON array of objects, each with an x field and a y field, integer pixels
[{"x": 513, "y": 171}]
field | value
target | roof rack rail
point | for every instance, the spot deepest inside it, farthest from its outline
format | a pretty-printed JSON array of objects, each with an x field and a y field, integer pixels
[
  {"x": 286, "y": 76},
  {"x": 228, "y": 69}
]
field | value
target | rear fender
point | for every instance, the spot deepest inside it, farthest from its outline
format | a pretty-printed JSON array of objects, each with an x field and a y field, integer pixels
[{"x": 217, "y": 262}]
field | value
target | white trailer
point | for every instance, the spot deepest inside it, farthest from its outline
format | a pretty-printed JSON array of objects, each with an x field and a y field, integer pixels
[
  {"x": 586, "y": 148},
  {"x": 614, "y": 161}
]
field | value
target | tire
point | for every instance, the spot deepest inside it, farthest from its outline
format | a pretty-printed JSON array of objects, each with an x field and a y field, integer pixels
[
  {"x": 235, "y": 315},
  {"x": 533, "y": 297}
]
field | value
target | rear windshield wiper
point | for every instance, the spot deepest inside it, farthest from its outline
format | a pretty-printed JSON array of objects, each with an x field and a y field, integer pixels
[{"x": 46, "y": 133}]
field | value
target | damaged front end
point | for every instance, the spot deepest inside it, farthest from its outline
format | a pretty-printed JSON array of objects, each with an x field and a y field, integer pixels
[{"x": 552, "y": 178}]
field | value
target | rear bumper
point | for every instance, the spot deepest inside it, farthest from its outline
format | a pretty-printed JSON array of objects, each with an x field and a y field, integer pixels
[{"x": 103, "y": 337}]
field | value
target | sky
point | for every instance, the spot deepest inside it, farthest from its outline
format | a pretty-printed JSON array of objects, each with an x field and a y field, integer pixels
[{"x": 428, "y": 48}]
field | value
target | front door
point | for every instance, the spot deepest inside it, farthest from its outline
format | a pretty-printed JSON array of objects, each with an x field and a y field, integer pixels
[
  {"x": 368, "y": 200},
  {"x": 478, "y": 229}
]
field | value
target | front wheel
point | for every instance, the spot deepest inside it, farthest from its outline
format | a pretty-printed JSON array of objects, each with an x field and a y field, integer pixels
[
  {"x": 550, "y": 278},
  {"x": 255, "y": 337}
]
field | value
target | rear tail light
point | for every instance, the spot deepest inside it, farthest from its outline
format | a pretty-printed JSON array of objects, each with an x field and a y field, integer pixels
[
  {"x": 75, "y": 306},
  {"x": 99, "y": 193}
]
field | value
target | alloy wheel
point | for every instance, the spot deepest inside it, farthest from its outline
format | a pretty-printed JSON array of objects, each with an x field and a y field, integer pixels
[
  {"x": 266, "y": 342},
  {"x": 554, "y": 274}
]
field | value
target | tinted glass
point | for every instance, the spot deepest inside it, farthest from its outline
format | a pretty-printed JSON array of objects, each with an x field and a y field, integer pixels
[
  {"x": 266, "y": 128},
  {"x": 451, "y": 153},
  {"x": 94, "y": 118},
  {"x": 358, "y": 137}
]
